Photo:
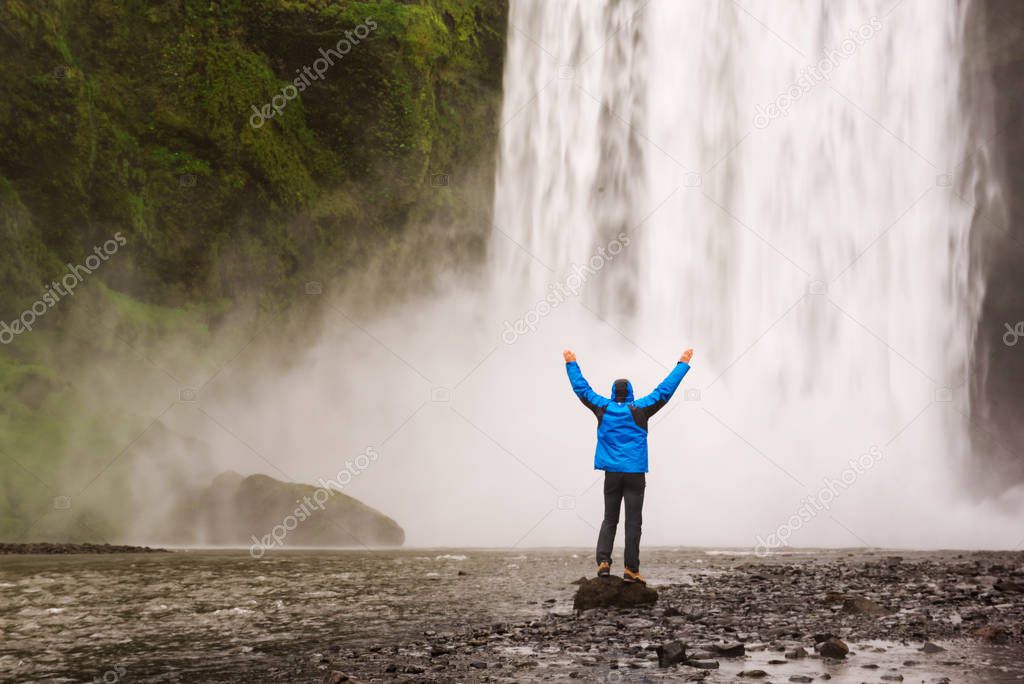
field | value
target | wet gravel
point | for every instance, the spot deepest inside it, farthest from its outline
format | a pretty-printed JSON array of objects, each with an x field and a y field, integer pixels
[
  {"x": 915, "y": 617},
  {"x": 507, "y": 616}
]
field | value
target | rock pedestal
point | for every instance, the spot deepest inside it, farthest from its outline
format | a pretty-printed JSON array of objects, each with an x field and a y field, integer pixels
[{"x": 612, "y": 592}]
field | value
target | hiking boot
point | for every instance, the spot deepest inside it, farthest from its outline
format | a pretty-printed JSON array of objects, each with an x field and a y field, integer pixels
[
  {"x": 629, "y": 577},
  {"x": 604, "y": 568}
]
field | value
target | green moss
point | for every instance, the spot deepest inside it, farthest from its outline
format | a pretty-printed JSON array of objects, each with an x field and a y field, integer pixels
[
  {"x": 136, "y": 116},
  {"x": 133, "y": 117}
]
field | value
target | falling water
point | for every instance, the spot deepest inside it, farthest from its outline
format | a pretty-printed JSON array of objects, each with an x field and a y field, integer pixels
[
  {"x": 782, "y": 172},
  {"x": 656, "y": 190}
]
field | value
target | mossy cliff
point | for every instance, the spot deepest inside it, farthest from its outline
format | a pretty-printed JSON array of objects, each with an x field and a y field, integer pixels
[{"x": 139, "y": 118}]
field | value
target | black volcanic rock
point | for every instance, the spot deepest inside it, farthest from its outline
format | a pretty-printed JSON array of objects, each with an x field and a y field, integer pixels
[
  {"x": 259, "y": 511},
  {"x": 833, "y": 648},
  {"x": 1008, "y": 587},
  {"x": 671, "y": 653},
  {"x": 735, "y": 650},
  {"x": 864, "y": 606},
  {"x": 612, "y": 592}
]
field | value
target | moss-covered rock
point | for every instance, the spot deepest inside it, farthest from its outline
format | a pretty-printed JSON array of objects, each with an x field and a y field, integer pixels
[{"x": 263, "y": 513}]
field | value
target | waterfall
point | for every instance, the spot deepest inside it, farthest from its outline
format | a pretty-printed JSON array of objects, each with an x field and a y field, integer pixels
[
  {"x": 782, "y": 174},
  {"x": 783, "y": 186}
]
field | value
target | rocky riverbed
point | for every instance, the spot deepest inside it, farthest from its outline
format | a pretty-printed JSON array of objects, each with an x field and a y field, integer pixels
[
  {"x": 856, "y": 618},
  {"x": 62, "y": 548},
  {"x": 472, "y": 615}
]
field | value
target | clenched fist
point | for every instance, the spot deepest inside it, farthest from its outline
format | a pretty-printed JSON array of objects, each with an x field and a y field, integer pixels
[
  {"x": 687, "y": 355},
  {"x": 568, "y": 356}
]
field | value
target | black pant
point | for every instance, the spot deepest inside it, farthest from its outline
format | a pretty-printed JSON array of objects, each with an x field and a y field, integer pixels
[{"x": 619, "y": 486}]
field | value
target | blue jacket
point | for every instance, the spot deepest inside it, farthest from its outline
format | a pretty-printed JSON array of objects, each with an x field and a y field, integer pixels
[{"x": 621, "y": 421}]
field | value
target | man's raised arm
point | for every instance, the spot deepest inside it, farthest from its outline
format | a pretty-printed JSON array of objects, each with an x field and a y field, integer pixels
[
  {"x": 591, "y": 399},
  {"x": 653, "y": 402}
]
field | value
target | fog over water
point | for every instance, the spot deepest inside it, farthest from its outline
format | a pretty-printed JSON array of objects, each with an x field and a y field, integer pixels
[{"x": 802, "y": 241}]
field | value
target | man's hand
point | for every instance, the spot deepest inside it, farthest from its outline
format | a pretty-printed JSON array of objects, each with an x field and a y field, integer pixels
[
  {"x": 568, "y": 356},
  {"x": 687, "y": 355}
]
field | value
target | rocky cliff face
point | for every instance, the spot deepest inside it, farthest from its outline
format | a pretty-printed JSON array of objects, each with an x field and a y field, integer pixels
[
  {"x": 994, "y": 88},
  {"x": 238, "y": 145},
  {"x": 180, "y": 126}
]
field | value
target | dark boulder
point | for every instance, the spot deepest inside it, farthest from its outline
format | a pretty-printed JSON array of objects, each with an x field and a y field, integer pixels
[
  {"x": 833, "y": 648},
  {"x": 992, "y": 634},
  {"x": 862, "y": 606},
  {"x": 703, "y": 664},
  {"x": 336, "y": 677},
  {"x": 728, "y": 650},
  {"x": 612, "y": 592},
  {"x": 1008, "y": 587},
  {"x": 238, "y": 511},
  {"x": 671, "y": 653}
]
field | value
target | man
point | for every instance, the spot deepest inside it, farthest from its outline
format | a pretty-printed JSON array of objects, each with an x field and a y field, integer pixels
[{"x": 622, "y": 454}]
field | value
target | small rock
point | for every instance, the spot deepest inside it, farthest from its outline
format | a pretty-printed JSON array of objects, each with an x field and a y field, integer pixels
[
  {"x": 671, "y": 653},
  {"x": 1008, "y": 587},
  {"x": 833, "y": 648},
  {"x": 798, "y": 652},
  {"x": 336, "y": 678},
  {"x": 730, "y": 650},
  {"x": 929, "y": 647},
  {"x": 995, "y": 635},
  {"x": 753, "y": 674},
  {"x": 864, "y": 606},
  {"x": 703, "y": 664},
  {"x": 801, "y": 678}
]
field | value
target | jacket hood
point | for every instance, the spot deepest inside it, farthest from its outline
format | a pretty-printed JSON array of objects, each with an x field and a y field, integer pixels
[{"x": 622, "y": 390}]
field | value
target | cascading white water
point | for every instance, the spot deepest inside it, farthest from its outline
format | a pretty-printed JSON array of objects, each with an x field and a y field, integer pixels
[
  {"x": 652, "y": 195},
  {"x": 795, "y": 225}
]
